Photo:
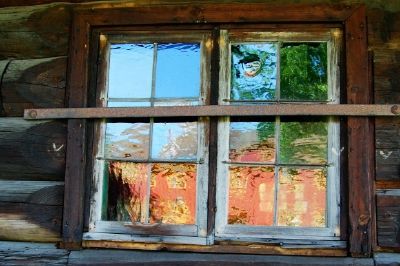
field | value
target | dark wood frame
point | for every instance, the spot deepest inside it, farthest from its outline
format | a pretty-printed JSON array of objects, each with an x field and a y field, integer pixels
[{"x": 360, "y": 139}]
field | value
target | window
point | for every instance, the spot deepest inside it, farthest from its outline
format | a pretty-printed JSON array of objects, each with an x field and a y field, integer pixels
[
  {"x": 277, "y": 177},
  {"x": 226, "y": 20}
]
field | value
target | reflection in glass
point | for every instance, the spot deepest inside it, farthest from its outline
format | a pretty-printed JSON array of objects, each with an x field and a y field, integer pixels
[
  {"x": 302, "y": 197},
  {"x": 303, "y": 142},
  {"x": 251, "y": 195},
  {"x": 127, "y": 191},
  {"x": 172, "y": 198},
  {"x": 252, "y": 142},
  {"x": 303, "y": 69},
  {"x": 130, "y": 74},
  {"x": 174, "y": 140},
  {"x": 253, "y": 71},
  {"x": 127, "y": 140},
  {"x": 178, "y": 70},
  {"x": 173, "y": 193}
]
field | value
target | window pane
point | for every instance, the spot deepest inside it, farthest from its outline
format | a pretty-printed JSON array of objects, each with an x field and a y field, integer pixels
[
  {"x": 127, "y": 140},
  {"x": 302, "y": 197},
  {"x": 251, "y": 195},
  {"x": 178, "y": 70},
  {"x": 303, "y": 142},
  {"x": 252, "y": 142},
  {"x": 131, "y": 68},
  {"x": 173, "y": 193},
  {"x": 171, "y": 190},
  {"x": 174, "y": 141},
  {"x": 304, "y": 71},
  {"x": 127, "y": 191},
  {"x": 128, "y": 104},
  {"x": 253, "y": 71}
]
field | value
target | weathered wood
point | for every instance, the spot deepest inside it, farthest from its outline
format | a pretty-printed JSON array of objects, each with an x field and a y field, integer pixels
[
  {"x": 387, "y": 80},
  {"x": 32, "y": 150},
  {"x": 119, "y": 257},
  {"x": 37, "y": 192},
  {"x": 387, "y": 132},
  {"x": 19, "y": 253},
  {"x": 354, "y": 110},
  {"x": 30, "y": 210},
  {"x": 388, "y": 164},
  {"x": 383, "y": 28},
  {"x": 387, "y": 259},
  {"x": 388, "y": 220},
  {"x": 3, "y": 66},
  {"x": 360, "y": 137},
  {"x": 33, "y": 83},
  {"x": 35, "y": 31}
]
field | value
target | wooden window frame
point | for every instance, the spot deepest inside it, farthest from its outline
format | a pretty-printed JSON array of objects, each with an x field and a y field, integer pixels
[
  {"x": 360, "y": 137},
  {"x": 333, "y": 39}
]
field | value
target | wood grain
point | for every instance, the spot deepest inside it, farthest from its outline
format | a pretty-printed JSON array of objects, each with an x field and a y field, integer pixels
[
  {"x": 388, "y": 220},
  {"x": 33, "y": 83},
  {"x": 30, "y": 210},
  {"x": 32, "y": 150}
]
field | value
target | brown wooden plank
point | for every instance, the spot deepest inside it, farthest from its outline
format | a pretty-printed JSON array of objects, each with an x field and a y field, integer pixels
[
  {"x": 360, "y": 137},
  {"x": 213, "y": 110},
  {"x": 387, "y": 184},
  {"x": 217, "y": 13},
  {"x": 388, "y": 220},
  {"x": 76, "y": 148},
  {"x": 33, "y": 83},
  {"x": 32, "y": 150},
  {"x": 25, "y": 31}
]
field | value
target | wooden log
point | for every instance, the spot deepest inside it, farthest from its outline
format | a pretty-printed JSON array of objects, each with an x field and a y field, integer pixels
[
  {"x": 34, "y": 82},
  {"x": 17, "y": 253},
  {"x": 38, "y": 192},
  {"x": 383, "y": 28},
  {"x": 388, "y": 219},
  {"x": 387, "y": 133},
  {"x": 387, "y": 80},
  {"x": 388, "y": 164},
  {"x": 32, "y": 150},
  {"x": 31, "y": 211},
  {"x": 34, "y": 31}
]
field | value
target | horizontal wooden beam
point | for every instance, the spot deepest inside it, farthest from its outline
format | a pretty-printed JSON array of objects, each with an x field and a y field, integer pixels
[{"x": 217, "y": 110}]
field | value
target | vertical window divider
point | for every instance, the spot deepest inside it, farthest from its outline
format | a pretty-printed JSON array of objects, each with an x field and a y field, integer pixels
[
  {"x": 276, "y": 168},
  {"x": 277, "y": 132}
]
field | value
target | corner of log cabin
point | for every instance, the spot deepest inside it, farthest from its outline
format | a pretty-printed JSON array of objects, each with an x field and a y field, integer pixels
[{"x": 34, "y": 54}]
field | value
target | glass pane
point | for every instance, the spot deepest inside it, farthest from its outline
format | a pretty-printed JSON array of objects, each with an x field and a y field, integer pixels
[
  {"x": 127, "y": 140},
  {"x": 304, "y": 71},
  {"x": 174, "y": 141},
  {"x": 176, "y": 103},
  {"x": 173, "y": 193},
  {"x": 253, "y": 71},
  {"x": 252, "y": 142},
  {"x": 303, "y": 142},
  {"x": 131, "y": 68},
  {"x": 178, "y": 70},
  {"x": 127, "y": 190},
  {"x": 302, "y": 197},
  {"x": 251, "y": 195},
  {"x": 128, "y": 104}
]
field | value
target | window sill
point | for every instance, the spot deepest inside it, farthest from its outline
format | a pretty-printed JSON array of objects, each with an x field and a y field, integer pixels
[{"x": 198, "y": 244}]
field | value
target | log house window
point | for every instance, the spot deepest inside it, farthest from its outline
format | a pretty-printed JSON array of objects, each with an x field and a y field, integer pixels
[
  {"x": 356, "y": 218},
  {"x": 277, "y": 177}
]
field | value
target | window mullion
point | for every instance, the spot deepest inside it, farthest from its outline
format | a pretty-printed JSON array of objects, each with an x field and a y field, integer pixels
[{"x": 276, "y": 171}]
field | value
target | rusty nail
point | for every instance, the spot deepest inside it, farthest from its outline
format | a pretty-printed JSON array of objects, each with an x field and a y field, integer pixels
[
  {"x": 33, "y": 113},
  {"x": 395, "y": 109}
]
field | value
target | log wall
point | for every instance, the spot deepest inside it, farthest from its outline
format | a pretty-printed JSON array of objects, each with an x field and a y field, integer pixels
[{"x": 33, "y": 58}]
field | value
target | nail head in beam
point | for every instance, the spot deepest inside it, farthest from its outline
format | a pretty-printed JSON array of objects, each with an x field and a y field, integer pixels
[{"x": 217, "y": 110}]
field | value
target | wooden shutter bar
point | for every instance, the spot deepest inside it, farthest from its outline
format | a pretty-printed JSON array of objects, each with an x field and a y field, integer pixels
[{"x": 218, "y": 110}]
